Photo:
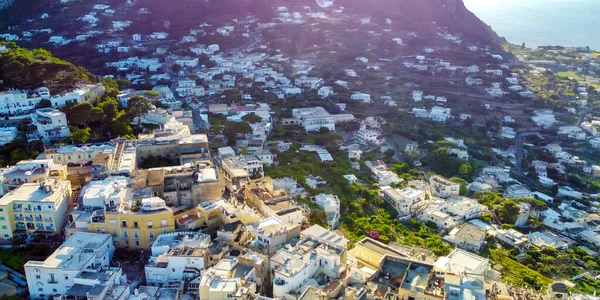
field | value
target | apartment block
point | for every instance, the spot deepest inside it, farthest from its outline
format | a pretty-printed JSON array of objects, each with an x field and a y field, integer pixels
[
  {"x": 35, "y": 208},
  {"x": 81, "y": 261}
]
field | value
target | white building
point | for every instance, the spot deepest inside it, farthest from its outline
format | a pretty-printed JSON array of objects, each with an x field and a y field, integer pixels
[
  {"x": 544, "y": 118},
  {"x": 312, "y": 119},
  {"x": 187, "y": 62},
  {"x": 159, "y": 35},
  {"x": 325, "y": 91},
  {"x": 15, "y": 102},
  {"x": 406, "y": 201},
  {"x": 439, "y": 114},
  {"x": 8, "y": 134},
  {"x": 467, "y": 236},
  {"x": 294, "y": 268},
  {"x": 460, "y": 154},
  {"x": 177, "y": 257},
  {"x": 110, "y": 193},
  {"x": 188, "y": 87},
  {"x": 78, "y": 155},
  {"x": 513, "y": 238},
  {"x": 417, "y": 96},
  {"x": 331, "y": 205},
  {"x": 366, "y": 98},
  {"x": 83, "y": 253},
  {"x": 517, "y": 191},
  {"x": 465, "y": 208},
  {"x": 441, "y": 219},
  {"x": 443, "y": 187},
  {"x": 382, "y": 174},
  {"x": 308, "y": 82},
  {"x": 51, "y": 125}
]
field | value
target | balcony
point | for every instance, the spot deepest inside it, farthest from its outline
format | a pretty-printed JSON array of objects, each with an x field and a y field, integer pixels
[
  {"x": 39, "y": 219},
  {"x": 49, "y": 220},
  {"x": 19, "y": 218},
  {"x": 29, "y": 218}
]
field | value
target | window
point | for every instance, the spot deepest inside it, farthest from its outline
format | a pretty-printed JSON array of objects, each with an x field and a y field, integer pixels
[
  {"x": 135, "y": 225},
  {"x": 89, "y": 156},
  {"x": 69, "y": 157},
  {"x": 124, "y": 224},
  {"x": 151, "y": 235},
  {"x": 66, "y": 277},
  {"x": 113, "y": 221},
  {"x": 163, "y": 223},
  {"x": 38, "y": 276},
  {"x": 136, "y": 235},
  {"x": 59, "y": 158},
  {"x": 78, "y": 156},
  {"x": 3, "y": 226},
  {"x": 149, "y": 224},
  {"x": 137, "y": 243},
  {"x": 125, "y": 235},
  {"x": 149, "y": 151},
  {"x": 2, "y": 219}
]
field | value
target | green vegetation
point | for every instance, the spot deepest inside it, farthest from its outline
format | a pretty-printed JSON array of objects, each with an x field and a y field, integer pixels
[
  {"x": 27, "y": 69},
  {"x": 15, "y": 258},
  {"x": 570, "y": 75},
  {"x": 137, "y": 107},
  {"x": 517, "y": 274},
  {"x": 19, "y": 149},
  {"x": 507, "y": 210}
]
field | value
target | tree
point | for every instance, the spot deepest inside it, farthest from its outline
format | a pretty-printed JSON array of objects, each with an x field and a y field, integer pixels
[
  {"x": 137, "y": 107},
  {"x": 110, "y": 107},
  {"x": 233, "y": 129},
  {"x": 80, "y": 136},
  {"x": 18, "y": 155},
  {"x": 508, "y": 211},
  {"x": 233, "y": 96},
  {"x": 176, "y": 68},
  {"x": 324, "y": 130},
  {"x": 252, "y": 118},
  {"x": 43, "y": 104},
  {"x": 83, "y": 113},
  {"x": 152, "y": 95},
  {"x": 463, "y": 185}
]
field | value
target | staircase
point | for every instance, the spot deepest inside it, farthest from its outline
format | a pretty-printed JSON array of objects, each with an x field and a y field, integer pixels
[{"x": 118, "y": 154}]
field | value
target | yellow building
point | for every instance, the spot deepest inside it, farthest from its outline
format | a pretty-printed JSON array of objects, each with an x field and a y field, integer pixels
[
  {"x": 35, "y": 207},
  {"x": 133, "y": 224}
]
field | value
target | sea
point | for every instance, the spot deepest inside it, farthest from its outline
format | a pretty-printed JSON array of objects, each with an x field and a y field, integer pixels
[{"x": 569, "y": 23}]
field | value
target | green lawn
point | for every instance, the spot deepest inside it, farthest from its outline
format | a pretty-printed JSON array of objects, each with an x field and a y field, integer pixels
[{"x": 569, "y": 75}]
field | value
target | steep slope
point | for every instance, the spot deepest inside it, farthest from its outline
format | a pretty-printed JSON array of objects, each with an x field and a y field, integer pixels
[
  {"x": 28, "y": 69},
  {"x": 428, "y": 14}
]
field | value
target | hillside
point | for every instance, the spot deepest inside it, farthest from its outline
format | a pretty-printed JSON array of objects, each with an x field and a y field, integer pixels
[
  {"x": 25, "y": 69},
  {"x": 419, "y": 15}
]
